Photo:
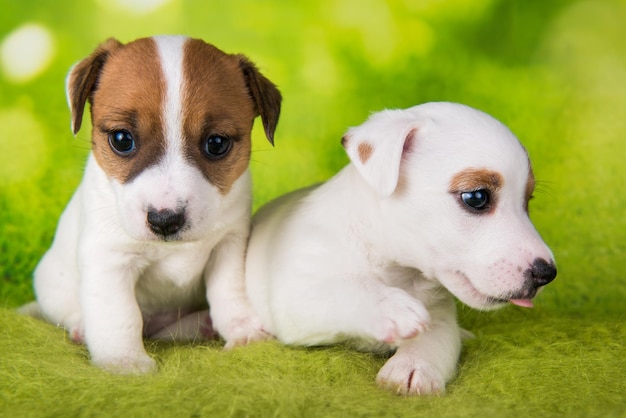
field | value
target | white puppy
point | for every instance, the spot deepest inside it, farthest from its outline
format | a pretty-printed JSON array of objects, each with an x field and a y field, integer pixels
[
  {"x": 159, "y": 223},
  {"x": 434, "y": 204}
]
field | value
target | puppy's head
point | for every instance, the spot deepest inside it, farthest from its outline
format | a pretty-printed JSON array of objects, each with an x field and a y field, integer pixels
[
  {"x": 455, "y": 185},
  {"x": 172, "y": 118}
]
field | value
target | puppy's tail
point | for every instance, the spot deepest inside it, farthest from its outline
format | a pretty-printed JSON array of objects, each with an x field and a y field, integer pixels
[{"x": 30, "y": 309}]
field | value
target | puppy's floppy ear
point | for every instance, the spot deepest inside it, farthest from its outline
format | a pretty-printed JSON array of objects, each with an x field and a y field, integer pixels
[
  {"x": 82, "y": 79},
  {"x": 265, "y": 94},
  {"x": 377, "y": 146}
]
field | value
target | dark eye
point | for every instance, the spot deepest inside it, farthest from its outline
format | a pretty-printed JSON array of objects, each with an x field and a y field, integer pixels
[
  {"x": 216, "y": 146},
  {"x": 122, "y": 142},
  {"x": 477, "y": 199}
]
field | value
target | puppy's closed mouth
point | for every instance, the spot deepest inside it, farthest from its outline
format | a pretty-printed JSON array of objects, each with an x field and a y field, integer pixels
[{"x": 524, "y": 301}]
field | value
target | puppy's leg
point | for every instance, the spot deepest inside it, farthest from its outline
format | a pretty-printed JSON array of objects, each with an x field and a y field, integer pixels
[
  {"x": 231, "y": 312},
  {"x": 423, "y": 365},
  {"x": 56, "y": 277},
  {"x": 113, "y": 321},
  {"x": 56, "y": 287},
  {"x": 310, "y": 310},
  {"x": 398, "y": 316}
]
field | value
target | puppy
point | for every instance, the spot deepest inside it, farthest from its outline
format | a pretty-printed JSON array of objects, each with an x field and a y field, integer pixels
[
  {"x": 433, "y": 204},
  {"x": 159, "y": 224}
]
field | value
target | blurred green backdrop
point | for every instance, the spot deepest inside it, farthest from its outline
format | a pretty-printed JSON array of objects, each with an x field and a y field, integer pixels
[{"x": 554, "y": 71}]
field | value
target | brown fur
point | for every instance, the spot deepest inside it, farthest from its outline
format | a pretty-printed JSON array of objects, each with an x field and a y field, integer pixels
[
  {"x": 216, "y": 102},
  {"x": 365, "y": 150},
  {"x": 478, "y": 178},
  {"x": 126, "y": 89},
  {"x": 266, "y": 96},
  {"x": 129, "y": 95}
]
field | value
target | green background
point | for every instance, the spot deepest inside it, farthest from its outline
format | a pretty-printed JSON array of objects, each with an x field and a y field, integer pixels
[{"x": 554, "y": 71}]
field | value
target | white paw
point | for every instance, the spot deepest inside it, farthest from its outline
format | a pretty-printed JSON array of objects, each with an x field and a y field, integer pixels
[
  {"x": 399, "y": 317},
  {"x": 406, "y": 375},
  {"x": 243, "y": 331},
  {"x": 140, "y": 363}
]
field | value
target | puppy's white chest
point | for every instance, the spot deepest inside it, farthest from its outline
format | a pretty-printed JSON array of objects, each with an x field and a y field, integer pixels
[
  {"x": 179, "y": 267},
  {"x": 173, "y": 279}
]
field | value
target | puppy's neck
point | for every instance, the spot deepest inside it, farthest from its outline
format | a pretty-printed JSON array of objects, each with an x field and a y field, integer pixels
[{"x": 359, "y": 209}]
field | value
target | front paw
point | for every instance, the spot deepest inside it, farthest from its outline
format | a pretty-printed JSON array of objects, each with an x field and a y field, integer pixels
[
  {"x": 405, "y": 375},
  {"x": 139, "y": 363},
  {"x": 243, "y": 331},
  {"x": 399, "y": 317}
]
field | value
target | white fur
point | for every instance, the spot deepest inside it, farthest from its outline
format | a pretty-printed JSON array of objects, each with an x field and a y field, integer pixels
[
  {"x": 109, "y": 280},
  {"x": 171, "y": 53},
  {"x": 374, "y": 255}
]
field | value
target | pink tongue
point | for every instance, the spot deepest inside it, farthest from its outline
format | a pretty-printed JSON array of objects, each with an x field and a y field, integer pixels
[{"x": 525, "y": 303}]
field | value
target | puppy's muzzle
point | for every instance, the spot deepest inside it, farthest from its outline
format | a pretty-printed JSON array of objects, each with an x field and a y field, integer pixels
[{"x": 166, "y": 222}]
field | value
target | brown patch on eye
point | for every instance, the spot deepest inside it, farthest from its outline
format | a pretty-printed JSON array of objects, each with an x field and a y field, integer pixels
[
  {"x": 128, "y": 96},
  {"x": 216, "y": 102},
  {"x": 344, "y": 140},
  {"x": 474, "y": 179},
  {"x": 365, "y": 151}
]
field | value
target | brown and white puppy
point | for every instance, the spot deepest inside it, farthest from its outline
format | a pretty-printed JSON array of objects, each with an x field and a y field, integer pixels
[{"x": 159, "y": 223}]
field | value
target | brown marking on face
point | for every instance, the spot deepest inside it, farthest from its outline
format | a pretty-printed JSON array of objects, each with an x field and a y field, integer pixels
[
  {"x": 344, "y": 140},
  {"x": 216, "y": 102},
  {"x": 365, "y": 150},
  {"x": 474, "y": 179},
  {"x": 222, "y": 94},
  {"x": 128, "y": 96}
]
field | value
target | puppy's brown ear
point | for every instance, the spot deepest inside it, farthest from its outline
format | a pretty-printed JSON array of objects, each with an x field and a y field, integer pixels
[
  {"x": 376, "y": 147},
  {"x": 265, "y": 94},
  {"x": 82, "y": 79}
]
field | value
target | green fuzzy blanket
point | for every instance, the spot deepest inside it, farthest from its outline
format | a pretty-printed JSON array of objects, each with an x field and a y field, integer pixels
[
  {"x": 553, "y": 71},
  {"x": 521, "y": 363}
]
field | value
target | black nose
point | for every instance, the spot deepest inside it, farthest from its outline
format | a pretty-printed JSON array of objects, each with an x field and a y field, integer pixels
[
  {"x": 542, "y": 272},
  {"x": 166, "y": 222}
]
